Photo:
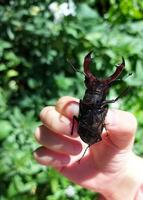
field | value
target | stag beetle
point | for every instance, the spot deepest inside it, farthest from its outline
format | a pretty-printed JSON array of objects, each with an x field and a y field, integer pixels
[{"x": 94, "y": 106}]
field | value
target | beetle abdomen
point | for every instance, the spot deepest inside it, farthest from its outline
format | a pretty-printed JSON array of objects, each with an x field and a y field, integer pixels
[{"x": 88, "y": 134}]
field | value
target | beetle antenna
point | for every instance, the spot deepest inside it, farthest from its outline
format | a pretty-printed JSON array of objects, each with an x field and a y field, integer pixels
[
  {"x": 84, "y": 153},
  {"x": 76, "y": 70}
]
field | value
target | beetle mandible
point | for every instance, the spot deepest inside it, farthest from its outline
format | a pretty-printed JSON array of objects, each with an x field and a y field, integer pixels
[{"x": 94, "y": 106}]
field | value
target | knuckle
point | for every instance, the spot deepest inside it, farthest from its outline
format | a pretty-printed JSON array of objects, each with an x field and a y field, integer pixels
[
  {"x": 62, "y": 101},
  {"x": 45, "y": 111}
]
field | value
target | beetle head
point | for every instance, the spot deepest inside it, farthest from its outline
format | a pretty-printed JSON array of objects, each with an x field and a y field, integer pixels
[{"x": 94, "y": 83}]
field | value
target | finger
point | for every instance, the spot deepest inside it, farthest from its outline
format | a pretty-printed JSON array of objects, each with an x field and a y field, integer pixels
[
  {"x": 55, "y": 121},
  {"x": 121, "y": 127},
  {"x": 57, "y": 142},
  {"x": 68, "y": 106},
  {"x": 50, "y": 158}
]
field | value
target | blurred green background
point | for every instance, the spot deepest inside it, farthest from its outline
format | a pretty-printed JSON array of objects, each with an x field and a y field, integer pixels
[{"x": 36, "y": 38}]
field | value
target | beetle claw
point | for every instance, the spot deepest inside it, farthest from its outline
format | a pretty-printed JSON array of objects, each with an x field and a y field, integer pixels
[
  {"x": 123, "y": 61},
  {"x": 88, "y": 56},
  {"x": 87, "y": 61}
]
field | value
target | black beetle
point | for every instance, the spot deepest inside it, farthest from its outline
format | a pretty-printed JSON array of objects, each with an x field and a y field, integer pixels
[{"x": 94, "y": 106}]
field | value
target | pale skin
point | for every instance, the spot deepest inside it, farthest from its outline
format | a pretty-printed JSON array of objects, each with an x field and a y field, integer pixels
[{"x": 110, "y": 167}]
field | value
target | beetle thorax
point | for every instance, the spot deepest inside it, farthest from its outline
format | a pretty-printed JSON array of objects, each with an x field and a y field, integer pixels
[{"x": 96, "y": 92}]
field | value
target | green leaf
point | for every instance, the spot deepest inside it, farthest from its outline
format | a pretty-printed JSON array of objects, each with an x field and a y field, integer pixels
[{"x": 6, "y": 129}]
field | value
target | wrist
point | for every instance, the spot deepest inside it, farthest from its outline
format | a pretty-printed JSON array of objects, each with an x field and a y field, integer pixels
[{"x": 128, "y": 184}]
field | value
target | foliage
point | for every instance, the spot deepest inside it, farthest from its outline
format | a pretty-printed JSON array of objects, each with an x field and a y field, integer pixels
[{"x": 35, "y": 42}]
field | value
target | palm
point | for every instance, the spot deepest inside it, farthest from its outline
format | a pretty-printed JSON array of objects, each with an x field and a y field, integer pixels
[{"x": 100, "y": 166}]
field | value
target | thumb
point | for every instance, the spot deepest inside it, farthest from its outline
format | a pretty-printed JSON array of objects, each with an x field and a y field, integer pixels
[{"x": 120, "y": 128}]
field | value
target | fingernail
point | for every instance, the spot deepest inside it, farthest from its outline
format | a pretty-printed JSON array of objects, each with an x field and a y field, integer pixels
[
  {"x": 74, "y": 108},
  {"x": 42, "y": 157},
  {"x": 111, "y": 118}
]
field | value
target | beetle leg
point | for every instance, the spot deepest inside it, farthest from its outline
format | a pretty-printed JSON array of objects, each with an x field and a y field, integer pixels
[
  {"x": 84, "y": 153},
  {"x": 75, "y": 118},
  {"x": 86, "y": 150},
  {"x": 114, "y": 100}
]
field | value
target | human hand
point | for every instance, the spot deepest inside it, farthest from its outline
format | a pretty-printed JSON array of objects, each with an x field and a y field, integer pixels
[{"x": 109, "y": 167}]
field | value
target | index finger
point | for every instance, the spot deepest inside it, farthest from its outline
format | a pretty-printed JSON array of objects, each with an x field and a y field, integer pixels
[{"x": 68, "y": 106}]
